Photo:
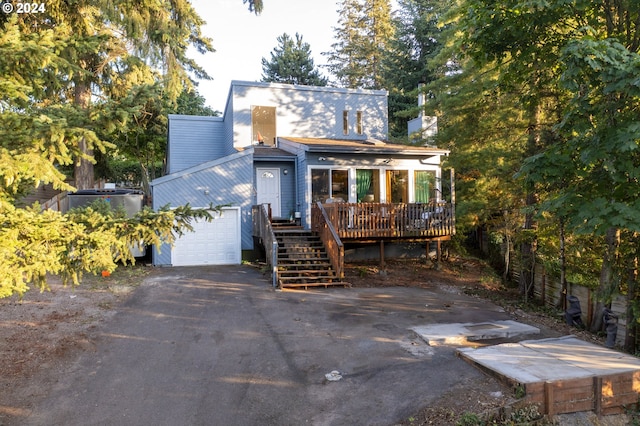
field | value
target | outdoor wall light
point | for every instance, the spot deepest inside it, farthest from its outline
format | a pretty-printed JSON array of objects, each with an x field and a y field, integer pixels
[
  {"x": 322, "y": 158},
  {"x": 285, "y": 172}
]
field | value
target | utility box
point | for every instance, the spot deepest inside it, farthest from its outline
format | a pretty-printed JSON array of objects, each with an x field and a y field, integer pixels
[{"x": 130, "y": 200}]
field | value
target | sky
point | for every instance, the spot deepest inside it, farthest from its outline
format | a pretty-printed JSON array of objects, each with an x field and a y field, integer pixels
[{"x": 242, "y": 39}]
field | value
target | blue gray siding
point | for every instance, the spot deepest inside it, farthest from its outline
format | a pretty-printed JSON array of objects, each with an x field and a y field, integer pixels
[
  {"x": 308, "y": 111},
  {"x": 194, "y": 140},
  {"x": 224, "y": 181}
]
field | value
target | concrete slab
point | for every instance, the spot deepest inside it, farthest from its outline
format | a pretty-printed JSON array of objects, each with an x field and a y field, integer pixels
[
  {"x": 550, "y": 360},
  {"x": 462, "y": 333}
]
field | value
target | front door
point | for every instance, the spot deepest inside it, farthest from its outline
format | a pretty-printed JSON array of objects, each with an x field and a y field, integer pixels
[{"x": 268, "y": 188}]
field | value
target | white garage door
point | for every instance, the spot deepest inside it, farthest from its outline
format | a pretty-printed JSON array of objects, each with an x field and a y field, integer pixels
[{"x": 212, "y": 243}]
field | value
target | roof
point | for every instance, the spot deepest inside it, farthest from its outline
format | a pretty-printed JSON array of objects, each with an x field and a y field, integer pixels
[
  {"x": 370, "y": 146},
  {"x": 300, "y": 87},
  {"x": 270, "y": 152}
]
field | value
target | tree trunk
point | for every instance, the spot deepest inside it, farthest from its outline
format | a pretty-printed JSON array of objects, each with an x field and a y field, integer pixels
[
  {"x": 563, "y": 268},
  {"x": 83, "y": 169},
  {"x": 527, "y": 247},
  {"x": 632, "y": 318},
  {"x": 606, "y": 278},
  {"x": 507, "y": 250}
]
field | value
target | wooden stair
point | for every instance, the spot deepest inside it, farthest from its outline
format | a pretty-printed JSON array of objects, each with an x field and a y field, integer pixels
[{"x": 302, "y": 259}]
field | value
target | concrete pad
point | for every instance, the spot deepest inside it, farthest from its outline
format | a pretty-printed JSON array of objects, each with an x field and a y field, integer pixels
[
  {"x": 549, "y": 360},
  {"x": 461, "y": 333}
]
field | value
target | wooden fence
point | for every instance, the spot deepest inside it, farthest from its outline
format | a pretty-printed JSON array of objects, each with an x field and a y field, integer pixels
[{"x": 548, "y": 290}]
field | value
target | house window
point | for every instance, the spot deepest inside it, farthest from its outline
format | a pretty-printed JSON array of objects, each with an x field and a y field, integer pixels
[
  {"x": 425, "y": 186},
  {"x": 263, "y": 123},
  {"x": 397, "y": 186},
  {"x": 340, "y": 185},
  {"x": 359, "y": 122},
  {"x": 320, "y": 185},
  {"x": 345, "y": 122},
  {"x": 329, "y": 184},
  {"x": 368, "y": 186}
]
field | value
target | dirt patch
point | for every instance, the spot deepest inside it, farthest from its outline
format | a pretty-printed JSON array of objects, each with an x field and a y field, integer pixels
[
  {"x": 472, "y": 400},
  {"x": 44, "y": 329}
]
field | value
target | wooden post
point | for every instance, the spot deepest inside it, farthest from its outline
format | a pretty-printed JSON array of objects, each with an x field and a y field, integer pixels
[
  {"x": 438, "y": 252},
  {"x": 382, "y": 253},
  {"x": 597, "y": 395},
  {"x": 548, "y": 398}
]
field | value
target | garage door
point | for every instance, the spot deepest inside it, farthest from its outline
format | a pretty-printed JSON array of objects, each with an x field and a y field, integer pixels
[{"x": 212, "y": 243}]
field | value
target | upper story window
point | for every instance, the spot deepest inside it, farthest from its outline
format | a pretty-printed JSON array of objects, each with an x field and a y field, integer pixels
[
  {"x": 359, "y": 122},
  {"x": 345, "y": 122},
  {"x": 263, "y": 124}
]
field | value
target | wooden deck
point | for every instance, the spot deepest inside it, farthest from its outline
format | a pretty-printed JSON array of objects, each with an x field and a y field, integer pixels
[{"x": 369, "y": 222}]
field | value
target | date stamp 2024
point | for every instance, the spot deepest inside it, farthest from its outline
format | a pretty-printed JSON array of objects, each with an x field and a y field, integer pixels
[{"x": 22, "y": 8}]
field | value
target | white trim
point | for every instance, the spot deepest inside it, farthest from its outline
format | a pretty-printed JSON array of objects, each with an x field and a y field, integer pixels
[
  {"x": 237, "y": 253},
  {"x": 200, "y": 167}
]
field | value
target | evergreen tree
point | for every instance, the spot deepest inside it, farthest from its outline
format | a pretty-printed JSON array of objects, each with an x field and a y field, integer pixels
[
  {"x": 72, "y": 77},
  {"x": 362, "y": 36},
  {"x": 291, "y": 63},
  {"x": 109, "y": 48},
  {"x": 414, "y": 45}
]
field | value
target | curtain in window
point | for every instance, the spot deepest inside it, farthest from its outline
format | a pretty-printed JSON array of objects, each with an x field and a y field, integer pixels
[
  {"x": 423, "y": 186},
  {"x": 363, "y": 182}
]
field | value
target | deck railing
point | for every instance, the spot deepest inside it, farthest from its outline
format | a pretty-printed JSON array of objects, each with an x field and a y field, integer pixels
[
  {"x": 263, "y": 230},
  {"x": 361, "y": 221},
  {"x": 321, "y": 225}
]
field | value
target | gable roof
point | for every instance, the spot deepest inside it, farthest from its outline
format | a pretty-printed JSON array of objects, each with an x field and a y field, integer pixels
[{"x": 367, "y": 146}]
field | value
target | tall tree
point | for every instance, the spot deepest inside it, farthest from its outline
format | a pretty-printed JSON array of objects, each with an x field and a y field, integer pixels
[
  {"x": 524, "y": 40},
  {"x": 110, "y": 47},
  {"x": 362, "y": 36},
  {"x": 291, "y": 63},
  {"x": 417, "y": 39},
  {"x": 72, "y": 76}
]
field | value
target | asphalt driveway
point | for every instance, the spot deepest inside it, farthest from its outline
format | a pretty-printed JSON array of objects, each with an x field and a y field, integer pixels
[{"x": 218, "y": 346}]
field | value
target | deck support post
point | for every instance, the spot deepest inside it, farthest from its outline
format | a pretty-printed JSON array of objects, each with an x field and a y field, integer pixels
[
  {"x": 382, "y": 253},
  {"x": 438, "y": 252}
]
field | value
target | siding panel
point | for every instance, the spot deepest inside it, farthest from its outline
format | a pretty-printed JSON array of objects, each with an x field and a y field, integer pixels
[
  {"x": 225, "y": 181},
  {"x": 307, "y": 111},
  {"x": 194, "y": 140}
]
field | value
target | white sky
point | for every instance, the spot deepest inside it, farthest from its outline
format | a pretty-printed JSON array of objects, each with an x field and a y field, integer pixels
[{"x": 242, "y": 39}]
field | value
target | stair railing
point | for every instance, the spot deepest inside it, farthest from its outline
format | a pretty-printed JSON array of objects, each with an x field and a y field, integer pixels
[
  {"x": 264, "y": 231},
  {"x": 321, "y": 225}
]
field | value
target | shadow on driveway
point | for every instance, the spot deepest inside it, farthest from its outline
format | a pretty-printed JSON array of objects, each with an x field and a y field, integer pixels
[{"x": 219, "y": 346}]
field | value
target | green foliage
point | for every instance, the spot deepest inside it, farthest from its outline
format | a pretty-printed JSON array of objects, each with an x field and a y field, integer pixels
[
  {"x": 469, "y": 419},
  {"x": 417, "y": 39},
  {"x": 362, "y": 37},
  {"x": 79, "y": 79},
  {"x": 255, "y": 6},
  {"x": 291, "y": 63},
  {"x": 91, "y": 239}
]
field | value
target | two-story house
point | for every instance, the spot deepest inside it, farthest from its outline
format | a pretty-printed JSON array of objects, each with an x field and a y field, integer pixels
[{"x": 290, "y": 147}]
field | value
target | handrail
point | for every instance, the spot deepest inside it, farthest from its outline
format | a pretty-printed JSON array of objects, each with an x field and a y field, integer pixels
[
  {"x": 264, "y": 231},
  {"x": 321, "y": 224},
  {"x": 372, "y": 221}
]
